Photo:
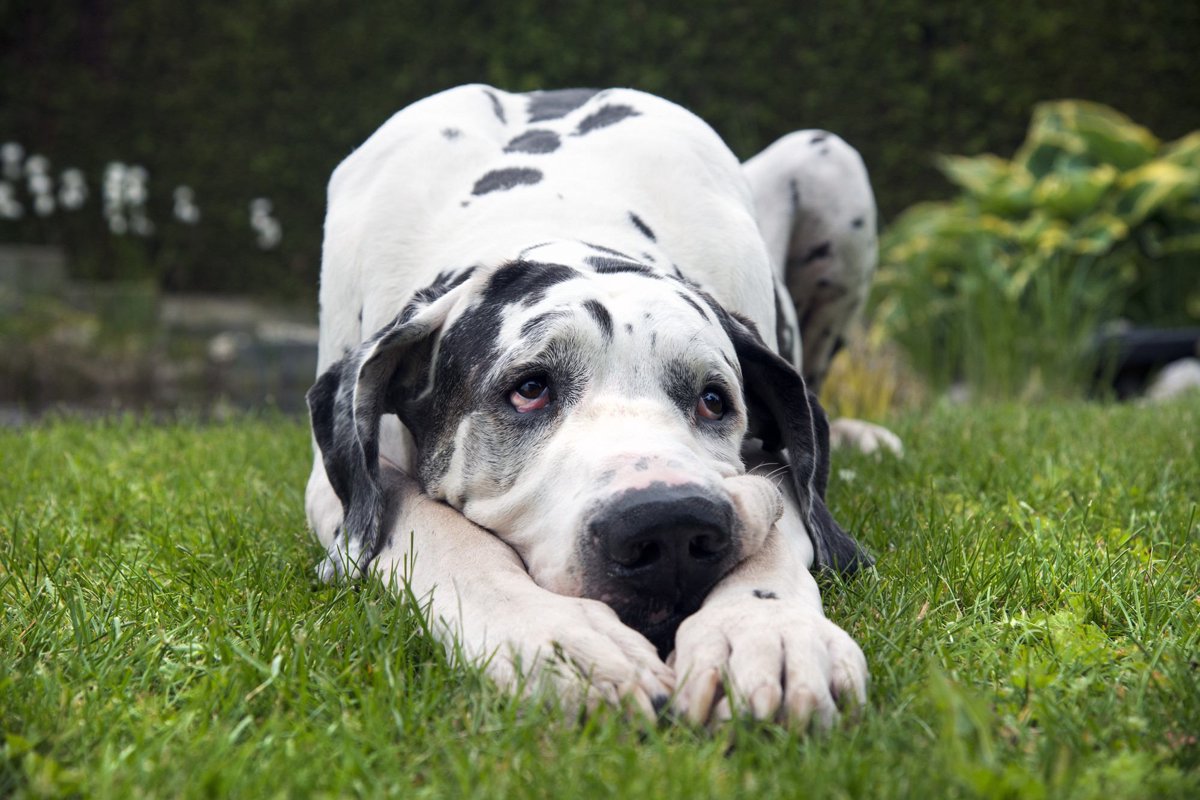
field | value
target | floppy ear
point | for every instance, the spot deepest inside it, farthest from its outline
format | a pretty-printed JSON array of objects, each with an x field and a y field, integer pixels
[
  {"x": 784, "y": 414},
  {"x": 345, "y": 406}
]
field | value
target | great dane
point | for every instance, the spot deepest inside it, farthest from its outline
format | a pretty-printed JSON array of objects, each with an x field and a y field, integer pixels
[{"x": 560, "y": 396}]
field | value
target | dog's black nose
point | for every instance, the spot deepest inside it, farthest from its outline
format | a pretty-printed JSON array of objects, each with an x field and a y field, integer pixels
[{"x": 667, "y": 541}]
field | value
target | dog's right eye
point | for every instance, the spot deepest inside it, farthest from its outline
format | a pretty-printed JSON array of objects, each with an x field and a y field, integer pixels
[{"x": 530, "y": 394}]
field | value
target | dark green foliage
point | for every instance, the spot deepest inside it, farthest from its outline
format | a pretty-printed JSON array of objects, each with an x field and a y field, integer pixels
[{"x": 263, "y": 98}]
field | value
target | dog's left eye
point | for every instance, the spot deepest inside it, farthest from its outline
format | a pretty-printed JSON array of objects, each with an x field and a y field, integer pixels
[
  {"x": 530, "y": 393},
  {"x": 711, "y": 404}
]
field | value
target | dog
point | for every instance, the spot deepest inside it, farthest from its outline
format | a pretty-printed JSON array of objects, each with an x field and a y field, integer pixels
[{"x": 568, "y": 349}]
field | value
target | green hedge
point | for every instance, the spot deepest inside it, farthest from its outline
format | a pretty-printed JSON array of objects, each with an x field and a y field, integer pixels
[{"x": 263, "y": 98}]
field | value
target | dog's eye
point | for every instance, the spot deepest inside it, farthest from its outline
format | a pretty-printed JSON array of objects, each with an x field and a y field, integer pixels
[
  {"x": 711, "y": 404},
  {"x": 530, "y": 393}
]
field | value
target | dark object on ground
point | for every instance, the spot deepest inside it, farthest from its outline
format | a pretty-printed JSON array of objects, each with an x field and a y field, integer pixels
[{"x": 1128, "y": 358}]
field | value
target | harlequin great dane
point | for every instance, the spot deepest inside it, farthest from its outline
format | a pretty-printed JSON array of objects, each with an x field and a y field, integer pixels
[{"x": 559, "y": 395}]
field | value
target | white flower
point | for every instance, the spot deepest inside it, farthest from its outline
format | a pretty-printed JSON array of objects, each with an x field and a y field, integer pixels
[
  {"x": 73, "y": 189},
  {"x": 37, "y": 165},
  {"x": 268, "y": 229},
  {"x": 10, "y": 208},
  {"x": 185, "y": 205},
  {"x": 12, "y": 154},
  {"x": 43, "y": 204}
]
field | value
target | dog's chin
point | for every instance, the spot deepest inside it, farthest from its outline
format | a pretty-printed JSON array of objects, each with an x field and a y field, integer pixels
[{"x": 655, "y": 618}]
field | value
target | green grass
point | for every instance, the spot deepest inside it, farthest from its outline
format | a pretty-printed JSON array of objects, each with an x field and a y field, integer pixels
[{"x": 1033, "y": 630}]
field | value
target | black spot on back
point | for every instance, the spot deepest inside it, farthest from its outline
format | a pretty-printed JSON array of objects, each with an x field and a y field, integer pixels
[
  {"x": 499, "y": 180},
  {"x": 604, "y": 117},
  {"x": 763, "y": 594},
  {"x": 642, "y": 226},
  {"x": 602, "y": 317},
  {"x": 451, "y": 133},
  {"x": 534, "y": 141},
  {"x": 497, "y": 109},
  {"x": 557, "y": 103}
]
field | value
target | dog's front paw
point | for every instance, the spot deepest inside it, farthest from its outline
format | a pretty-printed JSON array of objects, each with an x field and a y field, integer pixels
[
  {"x": 576, "y": 652},
  {"x": 779, "y": 659},
  {"x": 342, "y": 561}
]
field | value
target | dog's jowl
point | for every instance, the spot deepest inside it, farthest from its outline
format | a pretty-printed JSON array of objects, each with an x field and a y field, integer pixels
[{"x": 561, "y": 395}]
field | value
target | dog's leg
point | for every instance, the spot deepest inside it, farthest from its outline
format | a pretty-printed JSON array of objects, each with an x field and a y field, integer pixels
[
  {"x": 484, "y": 605},
  {"x": 816, "y": 212},
  {"x": 763, "y": 634}
]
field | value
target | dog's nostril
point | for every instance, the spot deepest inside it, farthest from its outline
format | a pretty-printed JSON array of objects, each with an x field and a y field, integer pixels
[
  {"x": 637, "y": 554},
  {"x": 708, "y": 545}
]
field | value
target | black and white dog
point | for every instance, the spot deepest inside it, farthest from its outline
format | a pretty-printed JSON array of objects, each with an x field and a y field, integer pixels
[{"x": 560, "y": 395}]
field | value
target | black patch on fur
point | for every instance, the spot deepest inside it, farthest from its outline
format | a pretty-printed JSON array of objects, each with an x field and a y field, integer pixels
[
  {"x": 602, "y": 249},
  {"x": 557, "y": 103},
  {"x": 451, "y": 133},
  {"x": 524, "y": 282},
  {"x": 602, "y": 317},
  {"x": 818, "y": 138},
  {"x": 604, "y": 117},
  {"x": 496, "y": 107},
  {"x": 642, "y": 226},
  {"x": 763, "y": 594},
  {"x": 823, "y": 250},
  {"x": 534, "y": 141},
  {"x": 785, "y": 415},
  {"x": 444, "y": 282},
  {"x": 499, "y": 180},
  {"x": 829, "y": 290},
  {"x": 785, "y": 337},
  {"x": 649, "y": 257},
  {"x": 694, "y": 305},
  {"x": 608, "y": 266},
  {"x": 537, "y": 326},
  {"x": 858, "y": 222}
]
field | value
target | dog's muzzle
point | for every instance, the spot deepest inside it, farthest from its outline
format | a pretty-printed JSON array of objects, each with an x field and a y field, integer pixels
[{"x": 660, "y": 550}]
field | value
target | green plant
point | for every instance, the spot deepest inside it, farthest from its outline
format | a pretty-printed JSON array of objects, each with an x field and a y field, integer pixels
[{"x": 1005, "y": 285}]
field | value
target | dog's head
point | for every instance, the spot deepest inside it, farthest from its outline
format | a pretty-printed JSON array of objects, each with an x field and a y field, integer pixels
[{"x": 593, "y": 418}]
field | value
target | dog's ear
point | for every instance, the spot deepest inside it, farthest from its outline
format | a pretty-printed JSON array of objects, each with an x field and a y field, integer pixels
[
  {"x": 784, "y": 414},
  {"x": 345, "y": 406}
]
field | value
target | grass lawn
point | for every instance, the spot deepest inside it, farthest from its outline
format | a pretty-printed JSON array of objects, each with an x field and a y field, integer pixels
[{"x": 1033, "y": 630}]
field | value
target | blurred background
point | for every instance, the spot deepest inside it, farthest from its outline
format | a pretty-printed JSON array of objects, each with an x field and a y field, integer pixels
[{"x": 163, "y": 165}]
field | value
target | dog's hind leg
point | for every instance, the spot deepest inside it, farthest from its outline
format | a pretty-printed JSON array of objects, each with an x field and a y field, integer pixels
[
  {"x": 816, "y": 212},
  {"x": 817, "y": 215}
]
